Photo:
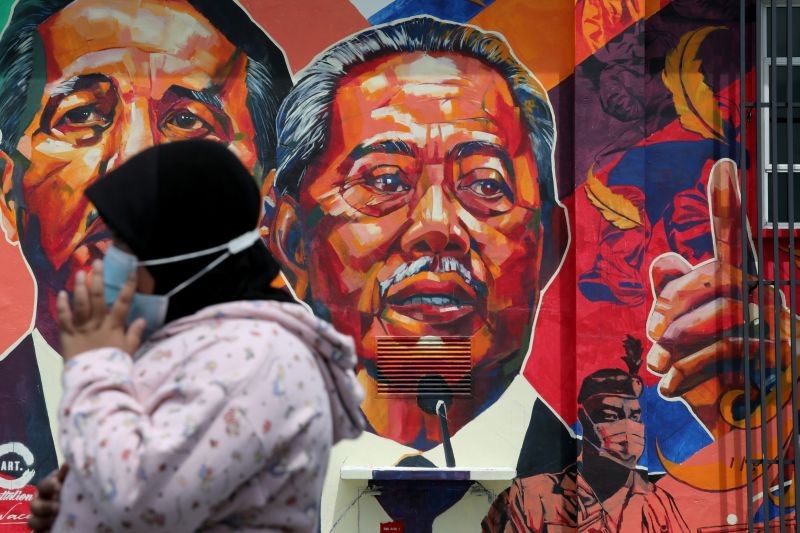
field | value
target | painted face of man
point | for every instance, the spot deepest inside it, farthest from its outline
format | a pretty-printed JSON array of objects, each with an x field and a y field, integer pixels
[
  {"x": 422, "y": 217},
  {"x": 120, "y": 76},
  {"x": 617, "y": 427}
]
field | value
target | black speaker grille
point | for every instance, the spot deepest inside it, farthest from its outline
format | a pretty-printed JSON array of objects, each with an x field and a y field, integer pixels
[{"x": 407, "y": 364}]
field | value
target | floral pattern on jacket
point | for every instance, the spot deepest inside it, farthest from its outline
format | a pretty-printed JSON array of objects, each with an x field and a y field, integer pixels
[{"x": 222, "y": 421}]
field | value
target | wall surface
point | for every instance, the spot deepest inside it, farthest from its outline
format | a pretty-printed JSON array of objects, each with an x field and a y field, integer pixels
[{"x": 528, "y": 212}]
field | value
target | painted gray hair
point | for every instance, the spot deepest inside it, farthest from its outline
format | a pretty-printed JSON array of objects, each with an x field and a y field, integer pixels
[{"x": 304, "y": 118}]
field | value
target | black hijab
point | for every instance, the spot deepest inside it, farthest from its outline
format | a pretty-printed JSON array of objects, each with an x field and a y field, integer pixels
[{"x": 184, "y": 197}]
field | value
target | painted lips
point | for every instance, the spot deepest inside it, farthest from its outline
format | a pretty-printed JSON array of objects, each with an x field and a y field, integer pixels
[{"x": 432, "y": 297}]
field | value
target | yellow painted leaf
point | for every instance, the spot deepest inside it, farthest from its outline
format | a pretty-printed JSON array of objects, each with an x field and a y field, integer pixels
[
  {"x": 615, "y": 208},
  {"x": 694, "y": 100}
]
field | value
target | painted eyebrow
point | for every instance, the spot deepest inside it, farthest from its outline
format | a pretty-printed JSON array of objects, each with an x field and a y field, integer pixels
[
  {"x": 469, "y": 148},
  {"x": 382, "y": 147},
  {"x": 209, "y": 97},
  {"x": 204, "y": 96},
  {"x": 77, "y": 83}
]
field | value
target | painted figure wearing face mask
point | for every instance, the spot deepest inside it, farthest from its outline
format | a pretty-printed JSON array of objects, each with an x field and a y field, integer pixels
[
  {"x": 607, "y": 492},
  {"x": 610, "y": 413},
  {"x": 614, "y": 427}
]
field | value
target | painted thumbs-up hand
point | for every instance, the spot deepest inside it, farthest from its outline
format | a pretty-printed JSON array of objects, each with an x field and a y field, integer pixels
[{"x": 697, "y": 321}]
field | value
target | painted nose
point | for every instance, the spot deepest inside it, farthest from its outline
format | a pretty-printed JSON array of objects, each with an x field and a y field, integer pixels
[
  {"x": 435, "y": 227},
  {"x": 137, "y": 136}
]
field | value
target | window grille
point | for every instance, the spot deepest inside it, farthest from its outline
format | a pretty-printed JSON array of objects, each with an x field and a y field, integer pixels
[
  {"x": 776, "y": 59},
  {"x": 774, "y": 169}
]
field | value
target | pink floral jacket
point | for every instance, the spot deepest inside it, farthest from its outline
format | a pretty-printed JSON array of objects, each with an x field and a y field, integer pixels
[{"x": 223, "y": 421}]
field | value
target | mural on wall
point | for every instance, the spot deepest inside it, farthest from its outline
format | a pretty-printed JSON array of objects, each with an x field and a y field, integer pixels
[
  {"x": 415, "y": 197},
  {"x": 84, "y": 86},
  {"x": 534, "y": 181},
  {"x": 602, "y": 490}
]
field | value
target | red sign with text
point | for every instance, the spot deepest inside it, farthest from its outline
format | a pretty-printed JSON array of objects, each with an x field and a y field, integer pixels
[
  {"x": 392, "y": 527},
  {"x": 15, "y": 507}
]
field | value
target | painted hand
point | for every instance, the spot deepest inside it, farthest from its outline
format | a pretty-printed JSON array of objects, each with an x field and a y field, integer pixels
[
  {"x": 89, "y": 324},
  {"x": 697, "y": 322},
  {"x": 45, "y": 506}
]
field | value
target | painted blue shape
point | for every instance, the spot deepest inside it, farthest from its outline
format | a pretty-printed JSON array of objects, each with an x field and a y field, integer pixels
[
  {"x": 593, "y": 286},
  {"x": 418, "y": 503},
  {"x": 662, "y": 170},
  {"x": 672, "y": 425},
  {"x": 455, "y": 10},
  {"x": 773, "y": 511},
  {"x": 428, "y": 474}
]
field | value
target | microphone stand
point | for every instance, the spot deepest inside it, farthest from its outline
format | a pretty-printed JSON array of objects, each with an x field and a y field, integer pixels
[{"x": 441, "y": 411}]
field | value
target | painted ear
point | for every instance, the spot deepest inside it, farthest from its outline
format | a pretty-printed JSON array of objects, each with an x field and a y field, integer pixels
[
  {"x": 285, "y": 241},
  {"x": 268, "y": 203},
  {"x": 8, "y": 208}
]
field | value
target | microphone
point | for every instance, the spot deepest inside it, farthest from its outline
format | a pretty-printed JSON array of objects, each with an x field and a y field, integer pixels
[
  {"x": 434, "y": 397},
  {"x": 441, "y": 410}
]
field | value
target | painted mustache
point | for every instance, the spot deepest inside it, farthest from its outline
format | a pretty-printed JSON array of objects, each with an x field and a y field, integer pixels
[{"x": 436, "y": 265}]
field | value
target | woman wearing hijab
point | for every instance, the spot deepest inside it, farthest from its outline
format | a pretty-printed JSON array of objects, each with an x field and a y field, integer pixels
[{"x": 196, "y": 396}]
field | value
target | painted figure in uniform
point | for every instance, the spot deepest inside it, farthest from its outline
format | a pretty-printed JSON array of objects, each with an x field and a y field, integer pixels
[{"x": 602, "y": 492}]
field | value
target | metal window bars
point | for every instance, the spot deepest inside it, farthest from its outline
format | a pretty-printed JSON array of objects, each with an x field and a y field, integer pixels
[{"x": 774, "y": 161}]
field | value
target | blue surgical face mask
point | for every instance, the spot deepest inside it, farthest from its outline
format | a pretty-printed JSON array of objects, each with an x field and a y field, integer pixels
[{"x": 118, "y": 266}]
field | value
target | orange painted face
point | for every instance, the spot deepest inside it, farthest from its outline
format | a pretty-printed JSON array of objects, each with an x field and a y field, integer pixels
[
  {"x": 120, "y": 76},
  {"x": 422, "y": 216},
  {"x": 617, "y": 428}
]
